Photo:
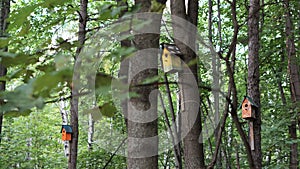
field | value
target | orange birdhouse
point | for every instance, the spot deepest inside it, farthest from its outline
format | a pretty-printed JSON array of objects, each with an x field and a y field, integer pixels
[
  {"x": 66, "y": 132},
  {"x": 248, "y": 108}
]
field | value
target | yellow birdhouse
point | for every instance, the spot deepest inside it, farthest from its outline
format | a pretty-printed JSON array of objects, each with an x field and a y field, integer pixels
[
  {"x": 248, "y": 108},
  {"x": 66, "y": 132},
  {"x": 170, "y": 57}
]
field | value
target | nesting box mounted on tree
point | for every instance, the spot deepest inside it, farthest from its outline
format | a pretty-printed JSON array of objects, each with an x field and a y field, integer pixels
[
  {"x": 66, "y": 132},
  {"x": 171, "y": 58},
  {"x": 248, "y": 108}
]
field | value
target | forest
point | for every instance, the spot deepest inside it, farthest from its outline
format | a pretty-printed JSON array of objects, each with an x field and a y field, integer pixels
[{"x": 149, "y": 84}]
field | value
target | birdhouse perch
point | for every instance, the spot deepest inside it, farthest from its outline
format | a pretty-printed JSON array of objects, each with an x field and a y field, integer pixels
[
  {"x": 248, "y": 108},
  {"x": 171, "y": 58},
  {"x": 66, "y": 132}
]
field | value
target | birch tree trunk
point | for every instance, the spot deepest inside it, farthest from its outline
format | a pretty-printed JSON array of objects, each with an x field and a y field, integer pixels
[
  {"x": 253, "y": 77},
  {"x": 5, "y": 9},
  {"x": 29, "y": 144},
  {"x": 64, "y": 117}
]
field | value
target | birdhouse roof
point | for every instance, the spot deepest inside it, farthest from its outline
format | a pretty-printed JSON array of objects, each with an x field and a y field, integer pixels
[
  {"x": 172, "y": 48},
  {"x": 68, "y": 128},
  {"x": 250, "y": 100}
]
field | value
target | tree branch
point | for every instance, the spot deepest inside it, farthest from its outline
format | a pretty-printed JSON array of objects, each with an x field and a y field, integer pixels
[{"x": 112, "y": 156}]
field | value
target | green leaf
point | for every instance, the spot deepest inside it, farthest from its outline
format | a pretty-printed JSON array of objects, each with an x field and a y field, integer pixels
[
  {"x": 14, "y": 59},
  {"x": 66, "y": 46},
  {"x": 53, "y": 3},
  {"x": 157, "y": 6},
  {"x": 28, "y": 75},
  {"x": 18, "y": 114},
  {"x": 16, "y": 73},
  {"x": 20, "y": 100},
  {"x": 4, "y": 42},
  {"x": 95, "y": 113},
  {"x": 108, "y": 109},
  {"x": 25, "y": 28},
  {"x": 44, "y": 84},
  {"x": 19, "y": 17},
  {"x": 3, "y": 78},
  {"x": 46, "y": 67}
]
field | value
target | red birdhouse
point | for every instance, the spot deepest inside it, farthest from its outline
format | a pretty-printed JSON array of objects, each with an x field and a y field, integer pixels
[
  {"x": 66, "y": 132},
  {"x": 248, "y": 108}
]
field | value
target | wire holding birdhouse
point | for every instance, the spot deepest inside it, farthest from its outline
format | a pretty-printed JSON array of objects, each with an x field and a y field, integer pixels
[{"x": 171, "y": 58}]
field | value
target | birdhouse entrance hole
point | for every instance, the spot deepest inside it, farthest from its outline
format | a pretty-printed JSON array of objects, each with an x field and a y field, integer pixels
[{"x": 248, "y": 108}]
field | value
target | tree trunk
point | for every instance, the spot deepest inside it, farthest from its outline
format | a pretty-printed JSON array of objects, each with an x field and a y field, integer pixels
[
  {"x": 28, "y": 154},
  {"x": 74, "y": 89},
  {"x": 5, "y": 9},
  {"x": 210, "y": 22},
  {"x": 253, "y": 76},
  {"x": 64, "y": 117},
  {"x": 279, "y": 80},
  {"x": 142, "y": 130},
  {"x": 124, "y": 65},
  {"x": 192, "y": 145},
  {"x": 2, "y": 88},
  {"x": 293, "y": 70},
  {"x": 216, "y": 86},
  {"x": 90, "y": 132},
  {"x": 294, "y": 145}
]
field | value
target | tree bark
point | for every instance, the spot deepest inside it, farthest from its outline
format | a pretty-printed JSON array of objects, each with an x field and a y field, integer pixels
[
  {"x": 280, "y": 78},
  {"x": 293, "y": 71},
  {"x": 216, "y": 82},
  {"x": 123, "y": 73},
  {"x": 5, "y": 9},
  {"x": 29, "y": 144},
  {"x": 90, "y": 132},
  {"x": 2, "y": 88},
  {"x": 64, "y": 117},
  {"x": 210, "y": 15},
  {"x": 192, "y": 145},
  {"x": 143, "y": 135},
  {"x": 74, "y": 88},
  {"x": 253, "y": 76}
]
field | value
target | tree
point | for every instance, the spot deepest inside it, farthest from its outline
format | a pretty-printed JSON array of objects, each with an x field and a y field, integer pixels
[
  {"x": 294, "y": 74},
  {"x": 74, "y": 89},
  {"x": 192, "y": 147},
  {"x": 253, "y": 77},
  {"x": 4, "y": 9},
  {"x": 142, "y": 136},
  {"x": 64, "y": 117}
]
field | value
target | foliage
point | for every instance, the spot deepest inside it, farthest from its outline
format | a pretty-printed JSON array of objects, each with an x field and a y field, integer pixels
[{"x": 41, "y": 40}]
